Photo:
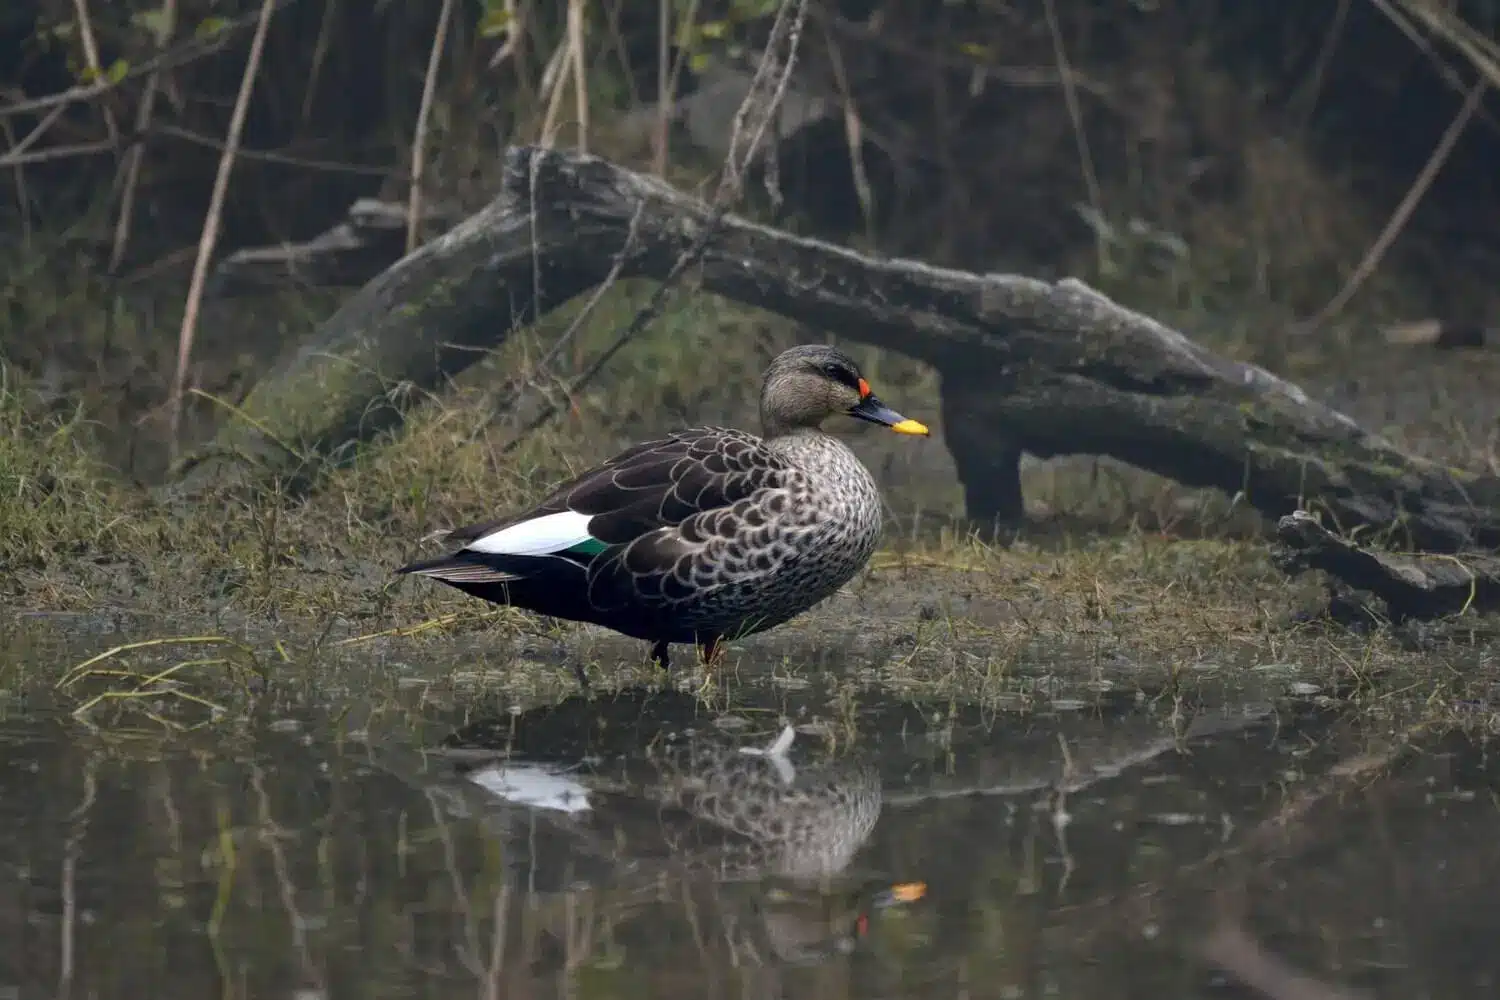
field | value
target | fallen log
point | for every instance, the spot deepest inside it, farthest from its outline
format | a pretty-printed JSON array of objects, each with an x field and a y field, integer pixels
[
  {"x": 1026, "y": 365},
  {"x": 1412, "y": 584},
  {"x": 371, "y": 236}
]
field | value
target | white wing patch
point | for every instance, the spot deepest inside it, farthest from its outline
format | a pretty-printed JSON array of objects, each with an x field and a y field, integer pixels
[
  {"x": 533, "y": 785},
  {"x": 539, "y": 536}
]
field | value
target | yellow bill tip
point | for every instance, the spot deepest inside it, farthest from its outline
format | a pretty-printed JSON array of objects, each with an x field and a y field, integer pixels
[
  {"x": 911, "y": 427},
  {"x": 908, "y": 892}
]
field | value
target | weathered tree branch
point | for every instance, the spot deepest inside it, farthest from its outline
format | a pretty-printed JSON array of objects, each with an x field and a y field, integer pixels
[
  {"x": 1412, "y": 585},
  {"x": 1048, "y": 368}
]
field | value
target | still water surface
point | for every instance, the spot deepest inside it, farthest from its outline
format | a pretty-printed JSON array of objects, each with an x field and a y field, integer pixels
[{"x": 363, "y": 838}]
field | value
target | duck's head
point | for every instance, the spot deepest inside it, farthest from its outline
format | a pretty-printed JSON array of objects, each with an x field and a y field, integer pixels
[{"x": 806, "y": 385}]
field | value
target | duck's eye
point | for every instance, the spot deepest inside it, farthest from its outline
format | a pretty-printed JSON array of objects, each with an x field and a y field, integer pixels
[{"x": 833, "y": 371}]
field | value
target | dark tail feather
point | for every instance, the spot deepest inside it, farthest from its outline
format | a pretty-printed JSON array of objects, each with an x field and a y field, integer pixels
[{"x": 462, "y": 567}]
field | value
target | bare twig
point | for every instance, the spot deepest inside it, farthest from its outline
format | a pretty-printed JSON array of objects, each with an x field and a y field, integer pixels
[
  {"x": 1409, "y": 202},
  {"x": 580, "y": 82},
  {"x": 137, "y": 152},
  {"x": 773, "y": 73},
  {"x": 284, "y": 159},
  {"x": 1075, "y": 118},
  {"x": 568, "y": 59},
  {"x": 663, "y": 86},
  {"x": 512, "y": 35},
  {"x": 424, "y": 114},
  {"x": 1313, "y": 87},
  {"x": 513, "y": 394},
  {"x": 37, "y": 132},
  {"x": 215, "y": 210},
  {"x": 14, "y": 159},
  {"x": 320, "y": 55},
  {"x": 853, "y": 131},
  {"x": 91, "y": 54},
  {"x": 23, "y": 198},
  {"x": 688, "y": 17},
  {"x": 189, "y": 51},
  {"x": 759, "y": 107}
]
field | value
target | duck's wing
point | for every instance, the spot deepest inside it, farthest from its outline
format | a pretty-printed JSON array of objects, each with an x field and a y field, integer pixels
[
  {"x": 742, "y": 529},
  {"x": 656, "y": 485}
]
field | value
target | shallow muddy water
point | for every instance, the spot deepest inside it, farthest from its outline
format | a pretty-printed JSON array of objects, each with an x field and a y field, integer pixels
[{"x": 382, "y": 831}]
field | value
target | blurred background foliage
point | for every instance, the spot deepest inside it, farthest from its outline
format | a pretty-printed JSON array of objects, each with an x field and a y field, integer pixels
[{"x": 1224, "y": 165}]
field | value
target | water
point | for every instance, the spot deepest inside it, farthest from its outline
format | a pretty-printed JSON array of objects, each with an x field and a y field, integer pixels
[{"x": 373, "y": 835}]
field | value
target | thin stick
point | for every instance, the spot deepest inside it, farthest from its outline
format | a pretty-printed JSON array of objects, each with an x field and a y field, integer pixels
[
  {"x": 215, "y": 211},
  {"x": 37, "y": 132},
  {"x": 284, "y": 159},
  {"x": 786, "y": 32},
  {"x": 580, "y": 84},
  {"x": 91, "y": 53},
  {"x": 14, "y": 159},
  {"x": 663, "y": 85},
  {"x": 320, "y": 56},
  {"x": 1313, "y": 88},
  {"x": 424, "y": 113},
  {"x": 191, "y": 50},
  {"x": 552, "y": 77},
  {"x": 508, "y": 47},
  {"x": 137, "y": 152},
  {"x": 1409, "y": 203},
  {"x": 1075, "y": 117},
  {"x": 853, "y": 131},
  {"x": 23, "y": 198}
]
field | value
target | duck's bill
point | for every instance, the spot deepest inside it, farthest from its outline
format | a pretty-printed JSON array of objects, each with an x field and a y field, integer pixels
[
  {"x": 901, "y": 892},
  {"x": 876, "y": 412}
]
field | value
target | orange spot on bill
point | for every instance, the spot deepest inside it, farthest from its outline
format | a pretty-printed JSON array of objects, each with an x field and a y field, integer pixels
[
  {"x": 864, "y": 388},
  {"x": 908, "y": 892}
]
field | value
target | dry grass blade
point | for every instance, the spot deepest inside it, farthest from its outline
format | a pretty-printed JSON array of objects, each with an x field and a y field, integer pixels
[
  {"x": 80, "y": 670},
  {"x": 431, "y": 624},
  {"x": 142, "y": 686}
]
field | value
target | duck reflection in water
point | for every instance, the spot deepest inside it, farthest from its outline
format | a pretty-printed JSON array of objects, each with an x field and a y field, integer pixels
[{"x": 641, "y": 803}]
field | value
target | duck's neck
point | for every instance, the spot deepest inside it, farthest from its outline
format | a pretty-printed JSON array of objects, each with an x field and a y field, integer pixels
[
  {"x": 772, "y": 429},
  {"x": 812, "y": 446}
]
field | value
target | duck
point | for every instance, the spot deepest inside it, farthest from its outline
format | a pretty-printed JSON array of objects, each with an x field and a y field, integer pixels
[
  {"x": 704, "y": 536},
  {"x": 754, "y": 828},
  {"x": 690, "y": 801}
]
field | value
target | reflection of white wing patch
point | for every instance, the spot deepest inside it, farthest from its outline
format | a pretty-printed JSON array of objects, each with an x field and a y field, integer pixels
[
  {"x": 776, "y": 753},
  {"x": 539, "y": 536},
  {"x": 532, "y": 785}
]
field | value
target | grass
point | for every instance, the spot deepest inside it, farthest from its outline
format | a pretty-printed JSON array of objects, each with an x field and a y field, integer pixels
[
  {"x": 1121, "y": 567},
  {"x": 57, "y": 501}
]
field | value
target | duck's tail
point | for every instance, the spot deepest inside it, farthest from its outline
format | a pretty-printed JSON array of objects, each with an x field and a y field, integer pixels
[{"x": 466, "y": 566}]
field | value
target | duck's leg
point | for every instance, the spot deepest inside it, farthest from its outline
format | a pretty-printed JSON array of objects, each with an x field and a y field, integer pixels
[
  {"x": 710, "y": 649},
  {"x": 583, "y": 677},
  {"x": 661, "y": 653}
]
